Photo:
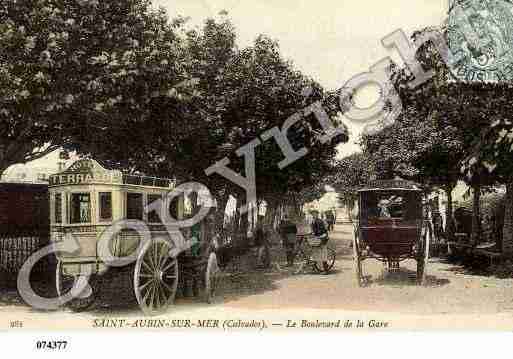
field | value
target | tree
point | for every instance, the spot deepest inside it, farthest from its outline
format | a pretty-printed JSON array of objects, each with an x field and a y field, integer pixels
[
  {"x": 416, "y": 148},
  {"x": 470, "y": 108},
  {"x": 352, "y": 173},
  {"x": 492, "y": 153},
  {"x": 264, "y": 90},
  {"x": 72, "y": 70},
  {"x": 233, "y": 96},
  {"x": 256, "y": 90},
  {"x": 437, "y": 130}
]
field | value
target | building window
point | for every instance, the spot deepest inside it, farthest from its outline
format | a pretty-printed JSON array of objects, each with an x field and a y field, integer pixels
[
  {"x": 105, "y": 206},
  {"x": 154, "y": 216},
  {"x": 80, "y": 208},
  {"x": 58, "y": 208},
  {"x": 134, "y": 206}
]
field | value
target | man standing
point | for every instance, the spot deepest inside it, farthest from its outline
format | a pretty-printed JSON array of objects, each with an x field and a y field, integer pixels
[
  {"x": 288, "y": 232},
  {"x": 262, "y": 245},
  {"x": 330, "y": 220},
  {"x": 319, "y": 230}
]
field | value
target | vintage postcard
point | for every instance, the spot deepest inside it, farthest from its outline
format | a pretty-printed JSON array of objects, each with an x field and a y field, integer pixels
[{"x": 256, "y": 166}]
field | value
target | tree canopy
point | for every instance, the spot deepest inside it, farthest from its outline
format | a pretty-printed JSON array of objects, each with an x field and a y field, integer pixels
[
  {"x": 352, "y": 173},
  {"x": 121, "y": 82},
  {"x": 448, "y": 130},
  {"x": 72, "y": 69},
  {"x": 237, "y": 94}
]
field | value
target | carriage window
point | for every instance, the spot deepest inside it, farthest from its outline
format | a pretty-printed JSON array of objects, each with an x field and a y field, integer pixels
[
  {"x": 395, "y": 208},
  {"x": 134, "y": 206},
  {"x": 58, "y": 208},
  {"x": 387, "y": 206},
  {"x": 80, "y": 208},
  {"x": 105, "y": 206},
  {"x": 153, "y": 216}
]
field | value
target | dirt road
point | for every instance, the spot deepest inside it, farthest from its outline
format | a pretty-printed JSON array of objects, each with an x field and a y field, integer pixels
[{"x": 449, "y": 289}]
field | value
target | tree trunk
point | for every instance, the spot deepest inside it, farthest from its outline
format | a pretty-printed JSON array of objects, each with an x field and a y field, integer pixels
[
  {"x": 270, "y": 212},
  {"x": 221, "y": 201},
  {"x": 350, "y": 205},
  {"x": 507, "y": 229},
  {"x": 449, "y": 222},
  {"x": 236, "y": 216},
  {"x": 476, "y": 215},
  {"x": 277, "y": 216},
  {"x": 244, "y": 223},
  {"x": 254, "y": 215}
]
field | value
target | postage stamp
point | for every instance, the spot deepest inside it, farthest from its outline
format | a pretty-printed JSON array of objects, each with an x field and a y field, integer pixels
[
  {"x": 480, "y": 35},
  {"x": 266, "y": 166}
]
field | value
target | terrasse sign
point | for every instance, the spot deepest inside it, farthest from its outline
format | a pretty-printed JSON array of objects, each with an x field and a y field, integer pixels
[{"x": 84, "y": 172}]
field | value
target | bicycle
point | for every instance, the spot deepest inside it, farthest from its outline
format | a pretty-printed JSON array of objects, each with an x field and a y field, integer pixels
[{"x": 304, "y": 251}]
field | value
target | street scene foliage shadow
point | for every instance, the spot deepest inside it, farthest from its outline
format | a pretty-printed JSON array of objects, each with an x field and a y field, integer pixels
[{"x": 406, "y": 277}]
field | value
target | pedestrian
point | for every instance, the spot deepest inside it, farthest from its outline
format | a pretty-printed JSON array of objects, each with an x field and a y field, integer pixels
[
  {"x": 437, "y": 225},
  {"x": 321, "y": 252},
  {"x": 261, "y": 244},
  {"x": 330, "y": 220},
  {"x": 288, "y": 233}
]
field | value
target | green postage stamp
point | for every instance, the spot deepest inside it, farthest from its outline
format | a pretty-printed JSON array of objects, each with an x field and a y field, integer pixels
[{"x": 480, "y": 35}]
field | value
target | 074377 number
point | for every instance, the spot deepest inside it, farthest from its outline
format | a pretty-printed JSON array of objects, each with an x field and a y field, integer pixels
[{"x": 51, "y": 344}]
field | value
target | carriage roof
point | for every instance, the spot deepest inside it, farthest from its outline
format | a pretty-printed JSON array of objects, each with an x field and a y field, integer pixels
[
  {"x": 391, "y": 185},
  {"x": 89, "y": 171}
]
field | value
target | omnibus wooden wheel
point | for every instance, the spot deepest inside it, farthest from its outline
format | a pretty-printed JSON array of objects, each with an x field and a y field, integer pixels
[
  {"x": 155, "y": 277},
  {"x": 64, "y": 283},
  {"x": 212, "y": 278}
]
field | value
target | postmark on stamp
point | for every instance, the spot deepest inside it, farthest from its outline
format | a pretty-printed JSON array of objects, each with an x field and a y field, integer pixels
[{"x": 480, "y": 36}]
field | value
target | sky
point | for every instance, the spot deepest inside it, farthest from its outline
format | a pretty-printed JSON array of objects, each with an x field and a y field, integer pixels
[{"x": 328, "y": 40}]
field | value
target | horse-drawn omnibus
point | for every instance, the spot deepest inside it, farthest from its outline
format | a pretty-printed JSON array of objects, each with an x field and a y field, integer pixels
[{"x": 86, "y": 200}]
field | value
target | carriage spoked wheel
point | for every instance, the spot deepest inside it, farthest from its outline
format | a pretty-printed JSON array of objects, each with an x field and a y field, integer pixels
[
  {"x": 422, "y": 259},
  {"x": 357, "y": 261},
  {"x": 64, "y": 283},
  {"x": 155, "y": 277},
  {"x": 332, "y": 256},
  {"x": 212, "y": 278}
]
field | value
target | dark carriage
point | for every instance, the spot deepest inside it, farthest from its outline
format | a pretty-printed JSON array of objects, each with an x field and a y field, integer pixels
[{"x": 391, "y": 227}]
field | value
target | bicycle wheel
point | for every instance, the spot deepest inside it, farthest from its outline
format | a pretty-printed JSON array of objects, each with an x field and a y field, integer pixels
[
  {"x": 303, "y": 257},
  {"x": 332, "y": 256}
]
